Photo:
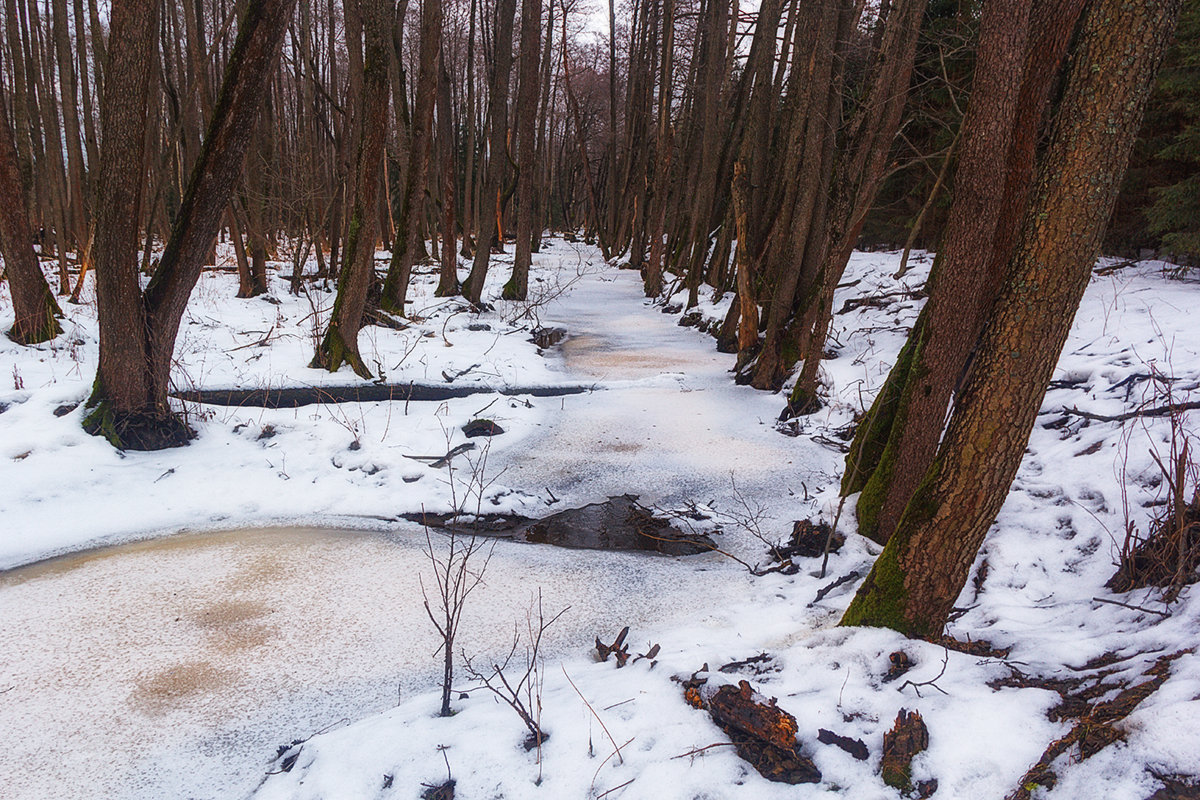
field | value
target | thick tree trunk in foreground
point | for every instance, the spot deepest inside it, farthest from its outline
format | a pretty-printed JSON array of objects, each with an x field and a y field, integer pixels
[
  {"x": 137, "y": 333},
  {"x": 340, "y": 345},
  {"x": 925, "y": 564},
  {"x": 123, "y": 379},
  {"x": 900, "y": 436},
  {"x": 961, "y": 285},
  {"x": 526, "y": 113},
  {"x": 33, "y": 303}
]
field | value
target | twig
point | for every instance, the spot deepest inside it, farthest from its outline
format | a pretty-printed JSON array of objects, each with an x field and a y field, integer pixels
[
  {"x": 596, "y": 774},
  {"x": 827, "y": 589},
  {"x": 1162, "y": 614},
  {"x": 260, "y": 343},
  {"x": 932, "y": 681},
  {"x": 1157, "y": 411},
  {"x": 606, "y": 708},
  {"x": 621, "y": 786},
  {"x": 698, "y": 750},
  {"x": 620, "y": 757}
]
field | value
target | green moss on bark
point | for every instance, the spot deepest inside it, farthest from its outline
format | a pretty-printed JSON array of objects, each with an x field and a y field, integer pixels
[
  {"x": 334, "y": 352},
  {"x": 46, "y": 327},
  {"x": 511, "y": 291},
  {"x": 136, "y": 430},
  {"x": 871, "y": 439},
  {"x": 882, "y": 600}
]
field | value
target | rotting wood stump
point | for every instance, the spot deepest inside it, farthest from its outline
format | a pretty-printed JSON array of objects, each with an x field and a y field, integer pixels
[
  {"x": 901, "y": 744},
  {"x": 763, "y": 734}
]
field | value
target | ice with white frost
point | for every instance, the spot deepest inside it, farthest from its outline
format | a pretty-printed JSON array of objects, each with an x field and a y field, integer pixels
[{"x": 175, "y": 666}]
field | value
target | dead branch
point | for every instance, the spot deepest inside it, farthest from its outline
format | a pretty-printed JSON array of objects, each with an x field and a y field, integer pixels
[
  {"x": 916, "y": 685},
  {"x": 1156, "y": 411},
  {"x": 1162, "y": 614}
]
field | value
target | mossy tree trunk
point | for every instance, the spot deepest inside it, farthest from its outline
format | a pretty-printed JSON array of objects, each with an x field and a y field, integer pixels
[
  {"x": 138, "y": 330},
  {"x": 925, "y": 564},
  {"x": 1014, "y": 75},
  {"x": 340, "y": 344}
]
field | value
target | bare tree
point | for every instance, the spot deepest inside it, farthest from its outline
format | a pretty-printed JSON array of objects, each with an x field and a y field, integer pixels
[
  {"x": 340, "y": 344},
  {"x": 526, "y": 113},
  {"x": 36, "y": 310},
  {"x": 915, "y": 581},
  {"x": 137, "y": 331},
  {"x": 489, "y": 227},
  {"x": 408, "y": 227},
  {"x": 458, "y": 568}
]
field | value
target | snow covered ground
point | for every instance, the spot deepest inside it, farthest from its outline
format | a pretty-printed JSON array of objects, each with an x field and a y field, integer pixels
[{"x": 173, "y": 667}]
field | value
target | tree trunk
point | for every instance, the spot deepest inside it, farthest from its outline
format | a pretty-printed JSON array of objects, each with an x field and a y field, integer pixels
[
  {"x": 960, "y": 284},
  {"x": 71, "y": 128},
  {"x": 859, "y": 165},
  {"x": 1003, "y": 117},
  {"x": 517, "y": 287},
  {"x": 540, "y": 201},
  {"x": 129, "y": 400},
  {"x": 925, "y": 564},
  {"x": 448, "y": 276},
  {"x": 664, "y": 145},
  {"x": 123, "y": 380},
  {"x": 409, "y": 239},
  {"x": 497, "y": 148},
  {"x": 340, "y": 344},
  {"x": 33, "y": 303}
]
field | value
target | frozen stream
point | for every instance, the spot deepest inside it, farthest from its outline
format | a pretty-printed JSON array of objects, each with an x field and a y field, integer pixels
[{"x": 173, "y": 668}]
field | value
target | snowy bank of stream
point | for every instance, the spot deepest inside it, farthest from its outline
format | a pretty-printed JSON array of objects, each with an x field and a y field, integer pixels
[{"x": 174, "y": 667}]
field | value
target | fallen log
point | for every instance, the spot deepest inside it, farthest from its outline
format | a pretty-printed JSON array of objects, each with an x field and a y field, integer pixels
[{"x": 297, "y": 396}]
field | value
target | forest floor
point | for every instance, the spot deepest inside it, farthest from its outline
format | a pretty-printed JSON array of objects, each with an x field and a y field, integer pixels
[{"x": 176, "y": 660}]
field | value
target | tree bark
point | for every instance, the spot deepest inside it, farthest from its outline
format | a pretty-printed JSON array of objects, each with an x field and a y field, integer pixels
[
  {"x": 448, "y": 275},
  {"x": 517, "y": 287},
  {"x": 925, "y": 564},
  {"x": 409, "y": 239},
  {"x": 959, "y": 286},
  {"x": 1004, "y": 116},
  {"x": 137, "y": 333},
  {"x": 33, "y": 303},
  {"x": 71, "y": 127},
  {"x": 340, "y": 343},
  {"x": 663, "y": 147},
  {"x": 497, "y": 148},
  {"x": 123, "y": 380}
]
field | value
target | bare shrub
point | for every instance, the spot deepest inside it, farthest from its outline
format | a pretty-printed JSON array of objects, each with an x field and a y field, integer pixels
[
  {"x": 455, "y": 578},
  {"x": 1169, "y": 553},
  {"x": 458, "y": 567},
  {"x": 523, "y": 692}
]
